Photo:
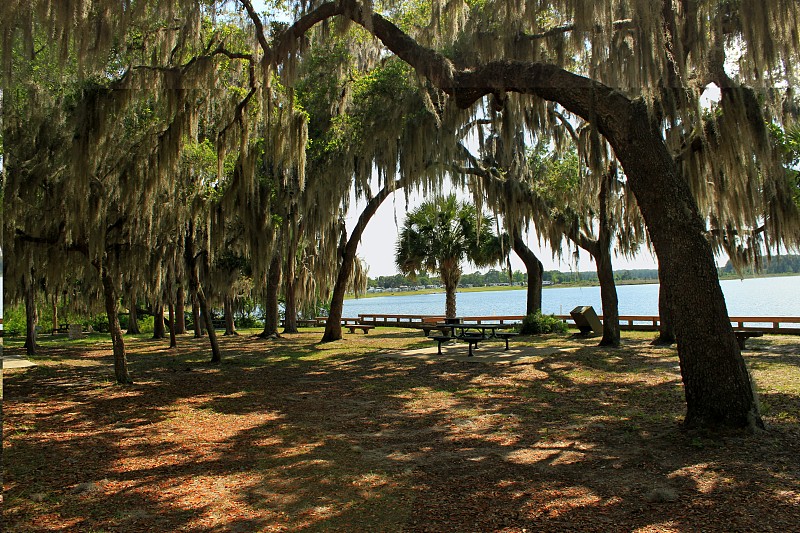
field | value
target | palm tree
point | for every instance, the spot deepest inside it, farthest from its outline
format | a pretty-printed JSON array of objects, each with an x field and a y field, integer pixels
[{"x": 439, "y": 234}]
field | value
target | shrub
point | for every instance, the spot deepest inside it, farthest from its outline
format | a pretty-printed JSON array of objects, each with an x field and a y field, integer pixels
[
  {"x": 537, "y": 324},
  {"x": 98, "y": 323}
]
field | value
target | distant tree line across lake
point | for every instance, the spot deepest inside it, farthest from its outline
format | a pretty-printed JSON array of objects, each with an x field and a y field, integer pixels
[{"x": 787, "y": 264}]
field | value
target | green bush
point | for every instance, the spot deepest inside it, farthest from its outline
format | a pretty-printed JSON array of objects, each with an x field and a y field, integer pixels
[
  {"x": 537, "y": 324},
  {"x": 98, "y": 323}
]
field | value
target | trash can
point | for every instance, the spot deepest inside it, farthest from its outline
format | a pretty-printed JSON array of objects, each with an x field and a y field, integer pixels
[
  {"x": 75, "y": 331},
  {"x": 586, "y": 320}
]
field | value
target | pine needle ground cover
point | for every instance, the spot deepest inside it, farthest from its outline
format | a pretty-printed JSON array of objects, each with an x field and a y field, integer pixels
[{"x": 292, "y": 435}]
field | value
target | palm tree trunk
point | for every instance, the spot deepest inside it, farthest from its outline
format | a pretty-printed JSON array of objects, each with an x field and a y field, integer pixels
[{"x": 450, "y": 272}]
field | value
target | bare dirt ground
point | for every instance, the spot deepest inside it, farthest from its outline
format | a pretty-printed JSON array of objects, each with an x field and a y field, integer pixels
[{"x": 363, "y": 435}]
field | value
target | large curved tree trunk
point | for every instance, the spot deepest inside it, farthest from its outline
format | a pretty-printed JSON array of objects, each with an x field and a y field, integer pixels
[
  {"x": 716, "y": 381},
  {"x": 180, "y": 312},
  {"x": 118, "y": 343},
  {"x": 31, "y": 314},
  {"x": 333, "y": 325},
  {"x": 535, "y": 271},
  {"x": 271, "y": 311}
]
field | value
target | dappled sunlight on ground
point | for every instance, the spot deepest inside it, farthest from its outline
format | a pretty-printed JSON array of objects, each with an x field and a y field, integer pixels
[{"x": 377, "y": 433}]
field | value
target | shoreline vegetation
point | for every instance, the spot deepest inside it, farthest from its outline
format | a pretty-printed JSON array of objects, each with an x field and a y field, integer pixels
[{"x": 522, "y": 285}]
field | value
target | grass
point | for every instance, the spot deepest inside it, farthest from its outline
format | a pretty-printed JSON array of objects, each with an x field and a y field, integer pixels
[{"x": 293, "y": 435}]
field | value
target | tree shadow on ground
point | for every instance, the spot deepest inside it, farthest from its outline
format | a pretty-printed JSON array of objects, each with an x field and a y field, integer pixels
[{"x": 298, "y": 436}]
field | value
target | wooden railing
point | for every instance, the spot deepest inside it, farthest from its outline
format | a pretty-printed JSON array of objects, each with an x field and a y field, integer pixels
[{"x": 771, "y": 324}]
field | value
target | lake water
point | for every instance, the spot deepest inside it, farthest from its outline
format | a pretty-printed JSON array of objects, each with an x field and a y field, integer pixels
[{"x": 777, "y": 296}]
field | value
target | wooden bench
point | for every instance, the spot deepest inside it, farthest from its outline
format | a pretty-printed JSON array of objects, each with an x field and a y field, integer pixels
[
  {"x": 743, "y": 335},
  {"x": 363, "y": 327},
  {"x": 505, "y": 335},
  {"x": 429, "y": 324}
]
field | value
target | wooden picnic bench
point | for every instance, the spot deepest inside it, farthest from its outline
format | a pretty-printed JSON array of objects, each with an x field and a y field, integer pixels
[
  {"x": 430, "y": 323},
  {"x": 743, "y": 334},
  {"x": 363, "y": 327}
]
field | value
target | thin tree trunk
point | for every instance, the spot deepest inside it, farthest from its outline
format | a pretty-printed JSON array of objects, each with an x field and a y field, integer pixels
[
  {"x": 55, "y": 312},
  {"x": 120, "y": 358},
  {"x": 535, "y": 271},
  {"x": 666, "y": 333},
  {"x": 173, "y": 343},
  {"x": 216, "y": 355},
  {"x": 230, "y": 325},
  {"x": 271, "y": 312},
  {"x": 31, "y": 314},
  {"x": 333, "y": 326},
  {"x": 180, "y": 312},
  {"x": 605, "y": 270},
  {"x": 197, "y": 289},
  {"x": 159, "y": 331},
  {"x": 133, "y": 314},
  {"x": 198, "y": 323},
  {"x": 608, "y": 298},
  {"x": 290, "y": 287}
]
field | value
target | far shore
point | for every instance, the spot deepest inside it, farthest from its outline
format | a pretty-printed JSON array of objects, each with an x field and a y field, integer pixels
[{"x": 580, "y": 283}]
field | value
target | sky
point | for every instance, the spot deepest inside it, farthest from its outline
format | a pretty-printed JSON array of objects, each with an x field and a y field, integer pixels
[{"x": 379, "y": 241}]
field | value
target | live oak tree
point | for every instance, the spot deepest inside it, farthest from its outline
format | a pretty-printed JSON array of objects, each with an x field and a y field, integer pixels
[
  {"x": 644, "y": 61},
  {"x": 634, "y": 71}
]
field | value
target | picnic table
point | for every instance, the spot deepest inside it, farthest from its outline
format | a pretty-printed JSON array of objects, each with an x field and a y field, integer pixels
[
  {"x": 464, "y": 329},
  {"x": 468, "y": 333}
]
